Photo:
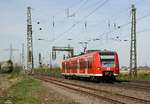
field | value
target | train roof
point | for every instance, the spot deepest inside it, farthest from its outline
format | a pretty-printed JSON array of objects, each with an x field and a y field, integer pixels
[{"x": 89, "y": 53}]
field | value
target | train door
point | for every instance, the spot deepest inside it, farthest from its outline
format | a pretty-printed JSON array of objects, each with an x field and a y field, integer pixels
[
  {"x": 78, "y": 66},
  {"x": 82, "y": 66},
  {"x": 65, "y": 67},
  {"x": 93, "y": 64},
  {"x": 72, "y": 66},
  {"x": 75, "y": 66},
  {"x": 69, "y": 66},
  {"x": 86, "y": 66}
]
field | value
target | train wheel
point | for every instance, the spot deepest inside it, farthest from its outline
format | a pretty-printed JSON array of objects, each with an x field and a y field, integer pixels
[
  {"x": 66, "y": 77},
  {"x": 113, "y": 78}
]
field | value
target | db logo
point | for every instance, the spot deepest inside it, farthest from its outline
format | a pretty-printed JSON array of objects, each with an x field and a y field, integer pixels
[{"x": 108, "y": 68}]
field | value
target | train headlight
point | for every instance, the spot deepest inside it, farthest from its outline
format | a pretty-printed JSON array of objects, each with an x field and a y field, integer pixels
[
  {"x": 99, "y": 68},
  {"x": 117, "y": 68}
]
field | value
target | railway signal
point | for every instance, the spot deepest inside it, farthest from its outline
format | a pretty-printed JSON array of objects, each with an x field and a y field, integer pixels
[{"x": 68, "y": 49}]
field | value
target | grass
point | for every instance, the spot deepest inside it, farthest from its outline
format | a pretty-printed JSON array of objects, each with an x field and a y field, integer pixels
[
  {"x": 14, "y": 73},
  {"x": 48, "y": 71},
  {"x": 3, "y": 74},
  {"x": 141, "y": 75},
  {"x": 26, "y": 90},
  {"x": 21, "y": 92}
]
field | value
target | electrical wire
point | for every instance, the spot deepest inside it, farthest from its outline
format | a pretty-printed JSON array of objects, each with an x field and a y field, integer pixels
[
  {"x": 74, "y": 25},
  {"x": 126, "y": 24},
  {"x": 71, "y": 6},
  {"x": 80, "y": 7}
]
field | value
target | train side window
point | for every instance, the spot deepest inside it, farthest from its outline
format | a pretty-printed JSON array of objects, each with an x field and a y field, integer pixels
[
  {"x": 93, "y": 59},
  {"x": 66, "y": 65},
  {"x": 81, "y": 65},
  {"x": 78, "y": 64},
  {"x": 90, "y": 64},
  {"x": 84, "y": 65},
  {"x": 75, "y": 65}
]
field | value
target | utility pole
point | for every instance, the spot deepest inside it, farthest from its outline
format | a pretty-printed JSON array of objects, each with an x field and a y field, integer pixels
[
  {"x": 40, "y": 60},
  {"x": 30, "y": 61},
  {"x": 84, "y": 45},
  {"x": 50, "y": 61},
  {"x": 11, "y": 51},
  {"x": 22, "y": 57},
  {"x": 133, "y": 58}
]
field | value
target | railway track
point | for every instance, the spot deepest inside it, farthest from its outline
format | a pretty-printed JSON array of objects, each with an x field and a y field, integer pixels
[
  {"x": 94, "y": 92},
  {"x": 128, "y": 84}
]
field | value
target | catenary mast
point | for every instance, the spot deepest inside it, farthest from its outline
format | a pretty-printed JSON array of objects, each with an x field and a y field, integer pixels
[
  {"x": 30, "y": 61},
  {"x": 133, "y": 57}
]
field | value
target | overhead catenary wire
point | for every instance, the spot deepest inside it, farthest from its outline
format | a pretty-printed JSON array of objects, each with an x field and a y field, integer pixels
[
  {"x": 93, "y": 11},
  {"x": 138, "y": 32},
  {"x": 80, "y": 7},
  {"x": 126, "y": 24},
  {"x": 70, "y": 6}
]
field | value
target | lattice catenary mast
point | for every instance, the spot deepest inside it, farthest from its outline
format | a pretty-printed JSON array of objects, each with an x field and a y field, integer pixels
[
  {"x": 30, "y": 62},
  {"x": 133, "y": 58}
]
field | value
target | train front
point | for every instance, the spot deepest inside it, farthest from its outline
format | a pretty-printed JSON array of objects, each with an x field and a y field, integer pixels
[{"x": 109, "y": 64}]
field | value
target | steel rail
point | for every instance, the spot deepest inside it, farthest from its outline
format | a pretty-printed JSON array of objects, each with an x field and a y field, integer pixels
[
  {"x": 85, "y": 92},
  {"x": 104, "y": 91}
]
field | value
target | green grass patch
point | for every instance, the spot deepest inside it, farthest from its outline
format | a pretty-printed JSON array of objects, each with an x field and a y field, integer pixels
[
  {"x": 4, "y": 74},
  {"x": 140, "y": 76},
  {"x": 48, "y": 71},
  {"x": 13, "y": 74},
  {"x": 22, "y": 92}
]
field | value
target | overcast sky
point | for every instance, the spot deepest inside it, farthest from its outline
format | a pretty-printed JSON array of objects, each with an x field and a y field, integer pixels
[{"x": 100, "y": 16}]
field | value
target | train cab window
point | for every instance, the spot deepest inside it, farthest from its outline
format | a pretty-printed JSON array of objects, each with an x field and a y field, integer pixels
[{"x": 107, "y": 59}]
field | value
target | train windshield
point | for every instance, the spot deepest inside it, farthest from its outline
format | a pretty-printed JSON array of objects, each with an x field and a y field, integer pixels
[{"x": 107, "y": 59}]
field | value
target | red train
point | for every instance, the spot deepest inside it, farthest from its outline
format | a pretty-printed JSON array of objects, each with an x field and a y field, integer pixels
[{"x": 95, "y": 65}]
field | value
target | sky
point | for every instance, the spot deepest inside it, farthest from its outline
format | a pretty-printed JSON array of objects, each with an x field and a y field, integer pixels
[{"x": 100, "y": 16}]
